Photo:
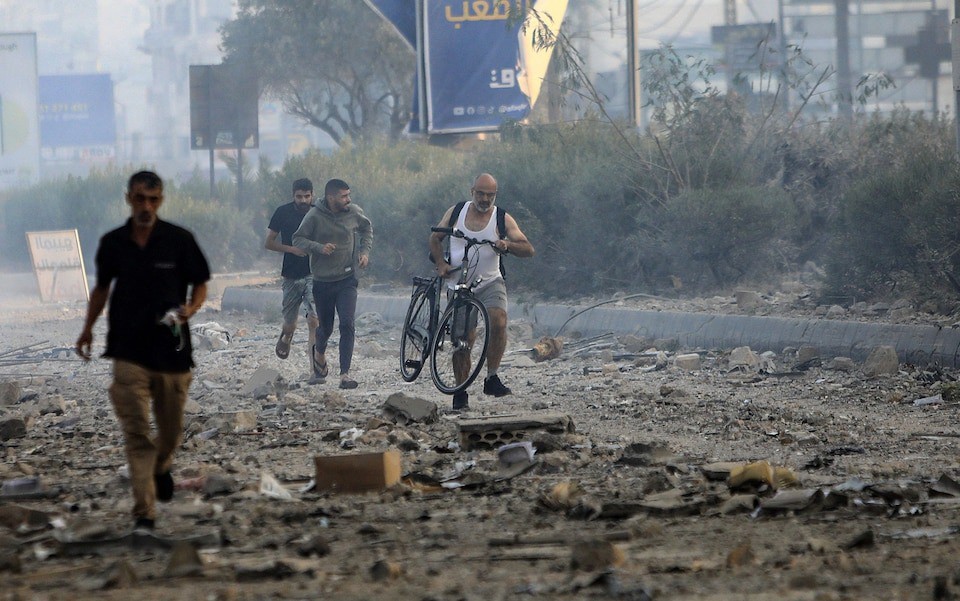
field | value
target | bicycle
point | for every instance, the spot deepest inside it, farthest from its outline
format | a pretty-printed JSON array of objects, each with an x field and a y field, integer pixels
[{"x": 446, "y": 340}]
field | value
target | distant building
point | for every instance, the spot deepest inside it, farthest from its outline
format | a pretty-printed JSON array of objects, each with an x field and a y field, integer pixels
[{"x": 905, "y": 39}]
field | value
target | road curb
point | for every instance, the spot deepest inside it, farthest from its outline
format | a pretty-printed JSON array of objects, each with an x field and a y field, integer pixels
[{"x": 917, "y": 344}]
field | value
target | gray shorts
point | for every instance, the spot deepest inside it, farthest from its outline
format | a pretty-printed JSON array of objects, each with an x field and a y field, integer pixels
[
  {"x": 295, "y": 293},
  {"x": 493, "y": 296}
]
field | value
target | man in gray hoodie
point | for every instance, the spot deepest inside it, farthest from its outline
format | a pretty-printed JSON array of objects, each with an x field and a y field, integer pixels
[{"x": 338, "y": 237}]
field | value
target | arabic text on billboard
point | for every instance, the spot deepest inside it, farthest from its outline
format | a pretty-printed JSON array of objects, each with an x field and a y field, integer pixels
[{"x": 472, "y": 53}]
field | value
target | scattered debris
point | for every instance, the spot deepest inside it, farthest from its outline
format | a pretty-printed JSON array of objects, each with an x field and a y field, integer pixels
[
  {"x": 658, "y": 478},
  {"x": 270, "y": 487},
  {"x": 547, "y": 348}
]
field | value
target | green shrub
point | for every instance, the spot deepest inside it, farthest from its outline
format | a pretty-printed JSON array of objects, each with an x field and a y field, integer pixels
[
  {"x": 729, "y": 233},
  {"x": 899, "y": 229},
  {"x": 92, "y": 205},
  {"x": 95, "y": 204},
  {"x": 721, "y": 196},
  {"x": 223, "y": 232}
]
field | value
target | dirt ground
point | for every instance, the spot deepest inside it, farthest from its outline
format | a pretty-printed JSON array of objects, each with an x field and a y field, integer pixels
[{"x": 631, "y": 504}]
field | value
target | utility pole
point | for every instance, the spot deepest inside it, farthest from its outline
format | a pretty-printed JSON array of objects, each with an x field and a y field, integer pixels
[
  {"x": 633, "y": 64},
  {"x": 729, "y": 20},
  {"x": 844, "y": 82},
  {"x": 729, "y": 12},
  {"x": 935, "y": 72},
  {"x": 955, "y": 40},
  {"x": 782, "y": 43}
]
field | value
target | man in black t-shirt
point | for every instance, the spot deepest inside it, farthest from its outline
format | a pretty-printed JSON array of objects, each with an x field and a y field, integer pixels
[
  {"x": 159, "y": 277},
  {"x": 297, "y": 282}
]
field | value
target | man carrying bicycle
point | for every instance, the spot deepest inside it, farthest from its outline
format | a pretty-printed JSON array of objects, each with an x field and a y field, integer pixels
[{"x": 478, "y": 219}]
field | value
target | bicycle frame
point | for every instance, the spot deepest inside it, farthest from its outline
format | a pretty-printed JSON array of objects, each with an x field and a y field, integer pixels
[
  {"x": 463, "y": 317},
  {"x": 454, "y": 326}
]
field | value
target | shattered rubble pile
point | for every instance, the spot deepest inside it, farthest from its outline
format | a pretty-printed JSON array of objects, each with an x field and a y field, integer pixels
[{"x": 620, "y": 468}]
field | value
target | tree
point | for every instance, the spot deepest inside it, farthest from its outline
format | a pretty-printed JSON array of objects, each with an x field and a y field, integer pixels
[{"x": 333, "y": 63}]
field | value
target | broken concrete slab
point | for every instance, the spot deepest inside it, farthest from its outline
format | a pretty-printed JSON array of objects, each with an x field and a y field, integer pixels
[
  {"x": 137, "y": 540},
  {"x": 14, "y": 427},
  {"x": 495, "y": 431},
  {"x": 674, "y": 503},
  {"x": 261, "y": 383},
  {"x": 402, "y": 409},
  {"x": 793, "y": 500}
]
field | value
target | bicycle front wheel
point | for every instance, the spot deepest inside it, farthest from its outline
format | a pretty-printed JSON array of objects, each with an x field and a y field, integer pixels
[
  {"x": 459, "y": 348},
  {"x": 415, "y": 338}
]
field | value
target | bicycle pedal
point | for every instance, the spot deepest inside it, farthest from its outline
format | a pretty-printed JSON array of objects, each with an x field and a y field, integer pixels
[{"x": 412, "y": 363}]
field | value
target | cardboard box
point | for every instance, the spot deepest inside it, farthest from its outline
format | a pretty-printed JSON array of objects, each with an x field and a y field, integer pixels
[{"x": 367, "y": 472}]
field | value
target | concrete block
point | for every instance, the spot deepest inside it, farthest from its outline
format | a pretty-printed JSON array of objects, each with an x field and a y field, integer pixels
[
  {"x": 882, "y": 360},
  {"x": 688, "y": 362},
  {"x": 496, "y": 431},
  {"x": 743, "y": 356},
  {"x": 367, "y": 472}
]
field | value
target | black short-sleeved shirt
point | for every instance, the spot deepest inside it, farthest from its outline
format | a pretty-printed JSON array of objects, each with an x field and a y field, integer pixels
[
  {"x": 286, "y": 219},
  {"x": 148, "y": 282}
]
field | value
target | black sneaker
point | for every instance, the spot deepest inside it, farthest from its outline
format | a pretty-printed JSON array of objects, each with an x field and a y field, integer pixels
[
  {"x": 494, "y": 387},
  {"x": 164, "y": 486},
  {"x": 144, "y": 524},
  {"x": 461, "y": 400}
]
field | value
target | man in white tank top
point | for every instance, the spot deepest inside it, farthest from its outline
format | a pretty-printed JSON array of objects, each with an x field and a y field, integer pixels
[{"x": 478, "y": 220}]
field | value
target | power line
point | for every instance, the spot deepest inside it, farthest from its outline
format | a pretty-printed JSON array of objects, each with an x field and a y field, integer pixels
[
  {"x": 665, "y": 21},
  {"x": 686, "y": 22}
]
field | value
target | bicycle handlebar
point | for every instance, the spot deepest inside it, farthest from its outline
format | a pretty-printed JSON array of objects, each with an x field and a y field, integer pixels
[{"x": 456, "y": 233}]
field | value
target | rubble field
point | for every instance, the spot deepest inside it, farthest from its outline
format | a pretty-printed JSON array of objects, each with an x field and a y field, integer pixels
[{"x": 620, "y": 468}]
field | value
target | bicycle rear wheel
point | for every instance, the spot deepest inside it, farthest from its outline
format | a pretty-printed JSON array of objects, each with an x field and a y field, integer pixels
[
  {"x": 415, "y": 337},
  {"x": 459, "y": 349}
]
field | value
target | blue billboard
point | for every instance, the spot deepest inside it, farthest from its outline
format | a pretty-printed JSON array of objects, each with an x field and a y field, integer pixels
[
  {"x": 477, "y": 66},
  {"x": 402, "y": 14},
  {"x": 77, "y": 110},
  {"x": 471, "y": 55}
]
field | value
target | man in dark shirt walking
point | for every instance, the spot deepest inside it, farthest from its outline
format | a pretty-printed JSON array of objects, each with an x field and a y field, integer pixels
[
  {"x": 297, "y": 281},
  {"x": 159, "y": 276}
]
